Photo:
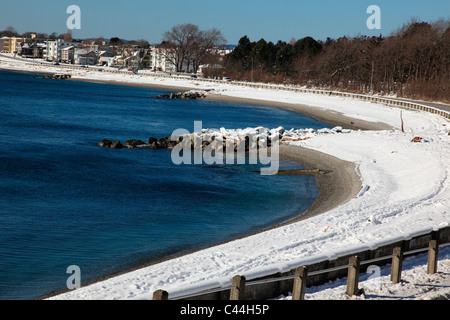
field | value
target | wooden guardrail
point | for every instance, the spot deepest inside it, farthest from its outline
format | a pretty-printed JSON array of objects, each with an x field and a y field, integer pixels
[{"x": 237, "y": 289}]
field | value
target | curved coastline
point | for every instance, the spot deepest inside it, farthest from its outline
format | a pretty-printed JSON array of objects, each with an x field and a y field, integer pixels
[{"x": 334, "y": 188}]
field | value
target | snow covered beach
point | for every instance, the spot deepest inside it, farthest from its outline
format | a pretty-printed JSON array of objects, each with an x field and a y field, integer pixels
[{"x": 405, "y": 192}]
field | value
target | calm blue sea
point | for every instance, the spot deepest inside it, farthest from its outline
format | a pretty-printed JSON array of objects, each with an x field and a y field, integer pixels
[{"x": 65, "y": 201}]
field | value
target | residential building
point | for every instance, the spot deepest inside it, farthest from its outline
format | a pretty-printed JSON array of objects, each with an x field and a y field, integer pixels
[
  {"x": 144, "y": 57},
  {"x": 105, "y": 56},
  {"x": 85, "y": 57},
  {"x": 31, "y": 50},
  {"x": 10, "y": 44},
  {"x": 32, "y": 47},
  {"x": 105, "y": 61},
  {"x": 54, "y": 48},
  {"x": 161, "y": 60},
  {"x": 132, "y": 58},
  {"x": 139, "y": 59},
  {"x": 68, "y": 55}
]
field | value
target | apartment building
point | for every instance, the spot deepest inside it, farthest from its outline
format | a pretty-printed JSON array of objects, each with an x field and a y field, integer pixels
[
  {"x": 160, "y": 60},
  {"x": 10, "y": 44},
  {"x": 54, "y": 49}
]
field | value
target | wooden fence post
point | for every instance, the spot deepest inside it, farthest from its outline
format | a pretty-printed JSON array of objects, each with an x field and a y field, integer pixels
[
  {"x": 353, "y": 276},
  {"x": 396, "y": 267},
  {"x": 433, "y": 247},
  {"x": 299, "y": 288},
  {"x": 160, "y": 295},
  {"x": 237, "y": 292}
]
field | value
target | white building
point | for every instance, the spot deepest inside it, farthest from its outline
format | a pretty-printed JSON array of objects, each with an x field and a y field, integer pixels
[
  {"x": 160, "y": 60},
  {"x": 85, "y": 57},
  {"x": 54, "y": 47}
]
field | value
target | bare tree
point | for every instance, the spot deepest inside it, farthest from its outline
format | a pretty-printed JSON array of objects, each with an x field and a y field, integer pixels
[
  {"x": 178, "y": 41},
  {"x": 187, "y": 45},
  {"x": 206, "y": 41},
  {"x": 142, "y": 43},
  {"x": 68, "y": 36},
  {"x": 10, "y": 32}
]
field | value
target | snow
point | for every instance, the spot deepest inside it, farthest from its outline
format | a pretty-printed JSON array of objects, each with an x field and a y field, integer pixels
[
  {"x": 415, "y": 284},
  {"x": 405, "y": 192}
]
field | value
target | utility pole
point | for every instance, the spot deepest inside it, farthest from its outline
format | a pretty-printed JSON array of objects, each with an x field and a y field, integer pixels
[
  {"x": 252, "y": 71},
  {"x": 371, "y": 80}
]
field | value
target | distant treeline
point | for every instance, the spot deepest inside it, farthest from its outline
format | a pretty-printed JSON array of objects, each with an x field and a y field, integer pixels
[{"x": 412, "y": 62}]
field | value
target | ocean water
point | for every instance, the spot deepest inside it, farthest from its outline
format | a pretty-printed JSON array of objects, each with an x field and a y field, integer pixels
[{"x": 65, "y": 201}]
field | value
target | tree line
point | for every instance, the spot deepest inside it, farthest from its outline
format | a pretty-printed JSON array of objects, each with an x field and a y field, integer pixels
[{"x": 412, "y": 62}]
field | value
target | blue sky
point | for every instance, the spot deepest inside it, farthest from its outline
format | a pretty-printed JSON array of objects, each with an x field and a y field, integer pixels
[{"x": 268, "y": 19}]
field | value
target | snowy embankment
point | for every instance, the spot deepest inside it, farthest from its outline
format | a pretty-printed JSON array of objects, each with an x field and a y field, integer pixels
[
  {"x": 416, "y": 283},
  {"x": 405, "y": 192}
]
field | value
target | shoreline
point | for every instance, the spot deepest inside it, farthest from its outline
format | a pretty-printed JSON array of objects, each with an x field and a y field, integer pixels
[
  {"x": 335, "y": 188},
  {"x": 331, "y": 118}
]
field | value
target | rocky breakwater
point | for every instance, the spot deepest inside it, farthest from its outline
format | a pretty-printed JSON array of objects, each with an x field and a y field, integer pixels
[
  {"x": 225, "y": 142},
  {"x": 57, "y": 76},
  {"x": 190, "y": 95},
  {"x": 249, "y": 138},
  {"x": 246, "y": 139},
  {"x": 152, "y": 143}
]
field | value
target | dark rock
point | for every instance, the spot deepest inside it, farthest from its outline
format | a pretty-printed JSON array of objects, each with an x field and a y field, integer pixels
[
  {"x": 151, "y": 140},
  {"x": 116, "y": 145},
  {"x": 182, "y": 95},
  {"x": 133, "y": 143},
  {"x": 105, "y": 143},
  {"x": 205, "y": 144},
  {"x": 176, "y": 138},
  {"x": 153, "y": 143},
  {"x": 163, "y": 142},
  {"x": 172, "y": 144}
]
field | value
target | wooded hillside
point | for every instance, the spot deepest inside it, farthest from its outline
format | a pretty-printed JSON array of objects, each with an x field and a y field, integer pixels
[{"x": 412, "y": 62}]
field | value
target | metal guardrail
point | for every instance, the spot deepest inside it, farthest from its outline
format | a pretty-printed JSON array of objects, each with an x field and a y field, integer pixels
[{"x": 382, "y": 100}]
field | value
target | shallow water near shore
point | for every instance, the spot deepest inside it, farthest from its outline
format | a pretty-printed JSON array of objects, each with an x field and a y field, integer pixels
[{"x": 65, "y": 201}]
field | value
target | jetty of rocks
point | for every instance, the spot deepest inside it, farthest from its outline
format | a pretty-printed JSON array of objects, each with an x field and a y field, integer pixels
[
  {"x": 191, "y": 95},
  {"x": 57, "y": 76},
  {"x": 249, "y": 138}
]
